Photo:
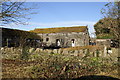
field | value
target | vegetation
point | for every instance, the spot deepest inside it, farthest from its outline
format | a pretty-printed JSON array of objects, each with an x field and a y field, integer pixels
[
  {"x": 14, "y": 12},
  {"x": 54, "y": 65},
  {"x": 19, "y": 34},
  {"x": 22, "y": 36},
  {"x": 104, "y": 29},
  {"x": 110, "y": 23},
  {"x": 61, "y": 29},
  {"x": 44, "y": 65}
]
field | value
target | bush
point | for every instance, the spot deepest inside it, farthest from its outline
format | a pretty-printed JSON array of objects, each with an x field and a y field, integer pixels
[
  {"x": 24, "y": 53},
  {"x": 44, "y": 65},
  {"x": 62, "y": 66}
]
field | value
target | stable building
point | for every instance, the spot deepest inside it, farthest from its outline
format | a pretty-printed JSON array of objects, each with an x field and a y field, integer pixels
[{"x": 64, "y": 36}]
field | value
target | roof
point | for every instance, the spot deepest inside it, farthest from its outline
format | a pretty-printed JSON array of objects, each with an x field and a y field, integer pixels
[
  {"x": 11, "y": 33},
  {"x": 60, "y": 29}
]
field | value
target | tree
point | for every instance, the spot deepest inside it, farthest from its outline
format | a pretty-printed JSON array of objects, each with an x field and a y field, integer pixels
[
  {"x": 112, "y": 11},
  {"x": 104, "y": 28},
  {"x": 109, "y": 26},
  {"x": 15, "y": 12},
  {"x": 24, "y": 36}
]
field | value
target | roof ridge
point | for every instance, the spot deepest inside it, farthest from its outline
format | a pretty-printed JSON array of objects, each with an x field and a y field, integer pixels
[{"x": 60, "y": 29}]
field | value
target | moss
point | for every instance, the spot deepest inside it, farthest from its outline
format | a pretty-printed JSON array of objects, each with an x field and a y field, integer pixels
[{"x": 61, "y": 29}]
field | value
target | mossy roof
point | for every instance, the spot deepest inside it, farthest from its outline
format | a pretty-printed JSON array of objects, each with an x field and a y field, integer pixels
[{"x": 60, "y": 29}]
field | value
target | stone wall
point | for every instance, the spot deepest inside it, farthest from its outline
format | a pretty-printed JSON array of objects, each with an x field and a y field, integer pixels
[
  {"x": 10, "y": 52},
  {"x": 80, "y": 38},
  {"x": 15, "y": 52}
]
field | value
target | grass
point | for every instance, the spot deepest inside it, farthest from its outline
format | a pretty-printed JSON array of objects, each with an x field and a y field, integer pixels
[
  {"x": 60, "y": 29},
  {"x": 90, "y": 47},
  {"x": 105, "y": 36},
  {"x": 44, "y": 65}
]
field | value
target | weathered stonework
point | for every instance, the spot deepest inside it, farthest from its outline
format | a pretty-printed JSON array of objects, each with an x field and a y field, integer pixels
[
  {"x": 16, "y": 52},
  {"x": 66, "y": 39}
]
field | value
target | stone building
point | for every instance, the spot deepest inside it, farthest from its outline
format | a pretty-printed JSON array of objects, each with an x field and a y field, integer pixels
[
  {"x": 107, "y": 42},
  {"x": 64, "y": 36},
  {"x": 17, "y": 38},
  {"x": 102, "y": 42}
]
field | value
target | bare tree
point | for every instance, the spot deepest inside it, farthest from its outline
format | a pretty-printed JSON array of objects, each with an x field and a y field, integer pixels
[
  {"x": 112, "y": 11},
  {"x": 15, "y": 12}
]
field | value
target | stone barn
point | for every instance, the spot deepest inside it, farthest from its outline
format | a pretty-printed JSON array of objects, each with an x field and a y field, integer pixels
[
  {"x": 64, "y": 36},
  {"x": 16, "y": 38}
]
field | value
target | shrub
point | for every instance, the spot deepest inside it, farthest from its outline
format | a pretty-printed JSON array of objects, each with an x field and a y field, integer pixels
[
  {"x": 24, "y": 53},
  {"x": 44, "y": 65}
]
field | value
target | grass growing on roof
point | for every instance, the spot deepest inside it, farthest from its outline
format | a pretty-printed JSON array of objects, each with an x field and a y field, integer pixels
[{"x": 61, "y": 29}]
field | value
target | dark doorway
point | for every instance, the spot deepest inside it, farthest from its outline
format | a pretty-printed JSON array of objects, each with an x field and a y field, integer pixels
[
  {"x": 47, "y": 39},
  {"x": 57, "y": 42},
  {"x": 73, "y": 42}
]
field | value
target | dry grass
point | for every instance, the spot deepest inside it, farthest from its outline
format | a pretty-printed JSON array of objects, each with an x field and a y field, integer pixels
[
  {"x": 56, "y": 66},
  {"x": 44, "y": 65},
  {"x": 60, "y": 29},
  {"x": 84, "y": 47}
]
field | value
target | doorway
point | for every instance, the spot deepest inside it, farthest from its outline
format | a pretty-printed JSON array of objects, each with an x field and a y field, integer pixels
[
  {"x": 58, "y": 42},
  {"x": 73, "y": 42}
]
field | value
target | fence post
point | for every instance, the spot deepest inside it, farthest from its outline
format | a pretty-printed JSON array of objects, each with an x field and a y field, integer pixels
[{"x": 105, "y": 51}]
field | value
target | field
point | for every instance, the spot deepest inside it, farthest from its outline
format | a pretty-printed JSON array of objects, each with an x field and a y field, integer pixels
[{"x": 49, "y": 66}]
